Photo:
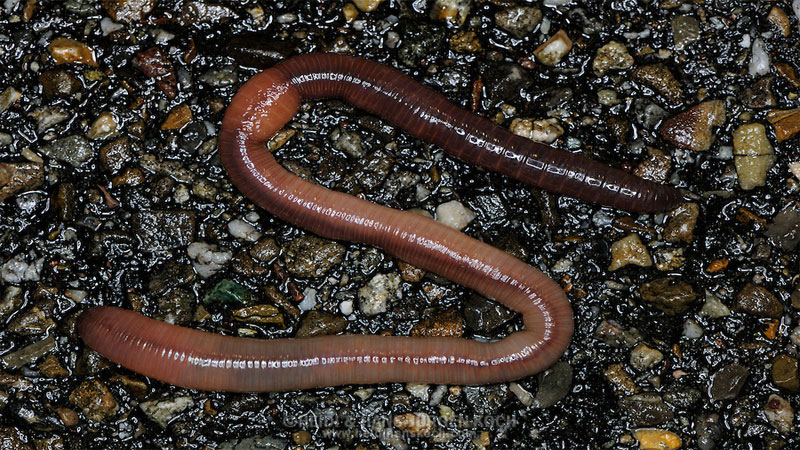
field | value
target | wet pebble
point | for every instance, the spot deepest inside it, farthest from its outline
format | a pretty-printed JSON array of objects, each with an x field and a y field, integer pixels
[
  {"x": 518, "y": 20},
  {"x": 780, "y": 414},
  {"x": 612, "y": 333},
  {"x": 629, "y": 250},
  {"x": 681, "y": 396},
  {"x": 448, "y": 323},
  {"x": 552, "y": 51},
  {"x": 177, "y": 117},
  {"x": 486, "y": 400},
  {"x": 10, "y": 302},
  {"x": 784, "y": 373},
  {"x": 784, "y": 229},
  {"x": 759, "y": 59},
  {"x": 759, "y": 95},
  {"x": 156, "y": 65},
  {"x": 228, "y": 292},
  {"x": 786, "y": 123},
  {"x": 545, "y": 131},
  {"x": 659, "y": 78},
  {"x": 554, "y": 384},
  {"x": 644, "y": 357},
  {"x": 483, "y": 315},
  {"x": 753, "y": 155},
  {"x": 95, "y": 400},
  {"x": 727, "y": 382},
  {"x": 375, "y": 296},
  {"x": 414, "y": 423},
  {"x": 692, "y": 128},
  {"x": 66, "y": 51},
  {"x": 116, "y": 154},
  {"x": 454, "y": 12},
  {"x": 655, "y": 167},
  {"x": 611, "y": 56},
  {"x": 162, "y": 411},
  {"x": 164, "y": 230},
  {"x": 685, "y": 30},
  {"x": 225, "y": 76},
  {"x": 207, "y": 259},
  {"x": 311, "y": 256},
  {"x": 320, "y": 323},
  {"x": 265, "y": 250},
  {"x": 347, "y": 141},
  {"x": 60, "y": 83},
  {"x": 19, "y": 177},
  {"x": 74, "y": 150},
  {"x": 20, "y": 268},
  {"x": 669, "y": 294},
  {"x": 646, "y": 409},
  {"x": 203, "y": 12},
  {"x": 49, "y": 116},
  {"x": 682, "y": 222},
  {"x": 709, "y": 430},
  {"x": 30, "y": 353},
  {"x": 655, "y": 439},
  {"x": 713, "y": 307},
  {"x": 240, "y": 229},
  {"x": 130, "y": 11},
  {"x": 757, "y": 300},
  {"x": 454, "y": 214}
]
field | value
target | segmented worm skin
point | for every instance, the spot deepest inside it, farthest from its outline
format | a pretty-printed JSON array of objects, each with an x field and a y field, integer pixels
[{"x": 201, "y": 360}]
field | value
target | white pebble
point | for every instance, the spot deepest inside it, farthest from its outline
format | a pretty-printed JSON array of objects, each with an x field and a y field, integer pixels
[
  {"x": 522, "y": 394},
  {"x": 438, "y": 394},
  {"x": 692, "y": 329},
  {"x": 795, "y": 336},
  {"x": 309, "y": 300},
  {"x": 207, "y": 259},
  {"x": 346, "y": 307},
  {"x": 454, "y": 215},
  {"x": 746, "y": 42},
  {"x": 108, "y": 26},
  {"x": 419, "y": 390},
  {"x": 252, "y": 217},
  {"x": 16, "y": 270},
  {"x": 240, "y": 229},
  {"x": 375, "y": 296},
  {"x": 759, "y": 61}
]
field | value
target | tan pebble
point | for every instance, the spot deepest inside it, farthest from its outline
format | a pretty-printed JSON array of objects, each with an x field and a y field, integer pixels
[
  {"x": 177, "y": 118},
  {"x": 554, "y": 49},
  {"x": 753, "y": 155},
  {"x": 104, "y": 126},
  {"x": 367, "y": 5},
  {"x": 629, "y": 250},
  {"x": 419, "y": 423},
  {"x": 65, "y": 50},
  {"x": 654, "y": 439}
]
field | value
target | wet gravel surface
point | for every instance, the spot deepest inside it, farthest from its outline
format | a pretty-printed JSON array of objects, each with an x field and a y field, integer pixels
[{"x": 111, "y": 193}]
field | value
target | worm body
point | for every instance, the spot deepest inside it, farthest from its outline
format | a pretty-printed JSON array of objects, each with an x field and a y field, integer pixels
[{"x": 263, "y": 105}]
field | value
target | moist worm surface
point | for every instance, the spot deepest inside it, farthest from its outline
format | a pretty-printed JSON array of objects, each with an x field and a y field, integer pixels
[{"x": 202, "y": 360}]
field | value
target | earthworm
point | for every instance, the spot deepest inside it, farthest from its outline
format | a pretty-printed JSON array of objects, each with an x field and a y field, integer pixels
[{"x": 263, "y": 105}]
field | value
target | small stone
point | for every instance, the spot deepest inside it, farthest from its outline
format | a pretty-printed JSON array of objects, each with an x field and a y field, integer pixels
[
  {"x": 454, "y": 12},
  {"x": 714, "y": 308},
  {"x": 646, "y": 409},
  {"x": 622, "y": 381},
  {"x": 753, "y": 155},
  {"x": 51, "y": 367},
  {"x": 104, "y": 126},
  {"x": 465, "y": 42},
  {"x": 95, "y": 400},
  {"x": 727, "y": 382},
  {"x": 116, "y": 155},
  {"x": 655, "y": 167},
  {"x": 17, "y": 269},
  {"x": 348, "y": 142},
  {"x": 681, "y": 224},
  {"x": 759, "y": 60},
  {"x": 19, "y": 177},
  {"x": 519, "y": 20},
  {"x": 350, "y": 12},
  {"x": 659, "y": 78},
  {"x": 786, "y": 122},
  {"x": 49, "y": 116},
  {"x": 59, "y": 83},
  {"x": 484, "y": 316},
  {"x": 784, "y": 373},
  {"x": 521, "y": 393},
  {"x": 629, "y": 250},
  {"x": 759, "y": 95},
  {"x": 613, "y": 55},
  {"x": 757, "y": 300},
  {"x": 68, "y": 417},
  {"x": 485, "y": 400},
  {"x": 265, "y": 250},
  {"x": 784, "y": 230},
  {"x": 454, "y": 215},
  {"x": 692, "y": 329},
  {"x": 164, "y": 410},
  {"x": 205, "y": 12},
  {"x": 260, "y": 314},
  {"x": 227, "y": 292},
  {"x": 312, "y": 257},
  {"x": 554, "y": 384},
  {"x": 612, "y": 333},
  {"x": 207, "y": 259},
  {"x": 685, "y": 30},
  {"x": 177, "y": 117},
  {"x": 545, "y": 131},
  {"x": 691, "y": 129},
  {"x": 9, "y": 97},
  {"x": 410, "y": 273},
  {"x": 130, "y": 11},
  {"x": 671, "y": 295},
  {"x": 654, "y": 439},
  {"x": 779, "y": 18},
  {"x": 28, "y": 354},
  {"x": 225, "y": 76},
  {"x": 156, "y": 65},
  {"x": 416, "y": 424},
  {"x": 708, "y": 430},
  {"x": 164, "y": 230},
  {"x": 66, "y": 51},
  {"x": 449, "y": 323},
  {"x": 552, "y": 51},
  {"x": 375, "y": 296},
  {"x": 240, "y": 229},
  {"x": 74, "y": 150},
  {"x": 35, "y": 320},
  {"x": 780, "y": 414},
  {"x": 644, "y": 357},
  {"x": 320, "y": 323}
]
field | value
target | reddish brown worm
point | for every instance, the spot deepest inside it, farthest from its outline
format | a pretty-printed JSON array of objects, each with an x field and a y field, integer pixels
[{"x": 202, "y": 360}]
